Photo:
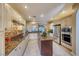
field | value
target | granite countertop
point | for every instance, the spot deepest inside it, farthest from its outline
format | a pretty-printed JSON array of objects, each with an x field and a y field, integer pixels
[
  {"x": 11, "y": 45},
  {"x": 48, "y": 38}
]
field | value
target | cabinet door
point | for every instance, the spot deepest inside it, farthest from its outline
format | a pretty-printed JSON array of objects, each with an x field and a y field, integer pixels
[
  {"x": 14, "y": 52},
  {"x": 18, "y": 51},
  {"x": 46, "y": 48}
]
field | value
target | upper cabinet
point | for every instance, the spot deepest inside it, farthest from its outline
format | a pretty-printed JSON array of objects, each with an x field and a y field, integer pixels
[{"x": 10, "y": 14}]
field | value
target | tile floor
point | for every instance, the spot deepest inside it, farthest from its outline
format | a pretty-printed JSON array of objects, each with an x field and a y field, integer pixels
[
  {"x": 59, "y": 50},
  {"x": 33, "y": 49}
]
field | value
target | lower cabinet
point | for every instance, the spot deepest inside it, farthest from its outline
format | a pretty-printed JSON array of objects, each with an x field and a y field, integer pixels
[
  {"x": 46, "y": 48},
  {"x": 19, "y": 50}
]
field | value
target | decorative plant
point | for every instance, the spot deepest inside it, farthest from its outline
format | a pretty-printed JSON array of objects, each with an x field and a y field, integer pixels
[{"x": 44, "y": 35}]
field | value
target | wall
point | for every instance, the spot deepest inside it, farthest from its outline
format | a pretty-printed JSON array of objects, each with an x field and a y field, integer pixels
[
  {"x": 77, "y": 33},
  {"x": 76, "y": 6},
  {"x": 2, "y": 39},
  {"x": 69, "y": 21},
  {"x": 8, "y": 14}
]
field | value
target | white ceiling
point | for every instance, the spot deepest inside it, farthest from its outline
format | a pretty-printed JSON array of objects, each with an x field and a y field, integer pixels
[{"x": 36, "y": 9}]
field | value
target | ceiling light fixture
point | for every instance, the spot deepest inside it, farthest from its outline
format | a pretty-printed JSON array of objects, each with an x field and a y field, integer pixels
[
  {"x": 29, "y": 17},
  {"x": 25, "y": 6},
  {"x": 20, "y": 19},
  {"x": 42, "y": 15},
  {"x": 33, "y": 22},
  {"x": 52, "y": 19},
  {"x": 19, "y": 16},
  {"x": 63, "y": 11}
]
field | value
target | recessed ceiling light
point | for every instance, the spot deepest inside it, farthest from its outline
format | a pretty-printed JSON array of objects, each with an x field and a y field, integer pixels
[
  {"x": 19, "y": 16},
  {"x": 52, "y": 24},
  {"x": 20, "y": 19},
  {"x": 51, "y": 18},
  {"x": 33, "y": 22},
  {"x": 25, "y": 6},
  {"x": 29, "y": 17},
  {"x": 42, "y": 15},
  {"x": 63, "y": 11}
]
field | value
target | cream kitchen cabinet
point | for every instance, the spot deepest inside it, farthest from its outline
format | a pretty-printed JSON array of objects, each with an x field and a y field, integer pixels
[{"x": 20, "y": 49}]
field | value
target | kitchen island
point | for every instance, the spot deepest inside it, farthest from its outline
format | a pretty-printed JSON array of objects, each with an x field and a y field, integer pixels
[{"x": 46, "y": 47}]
